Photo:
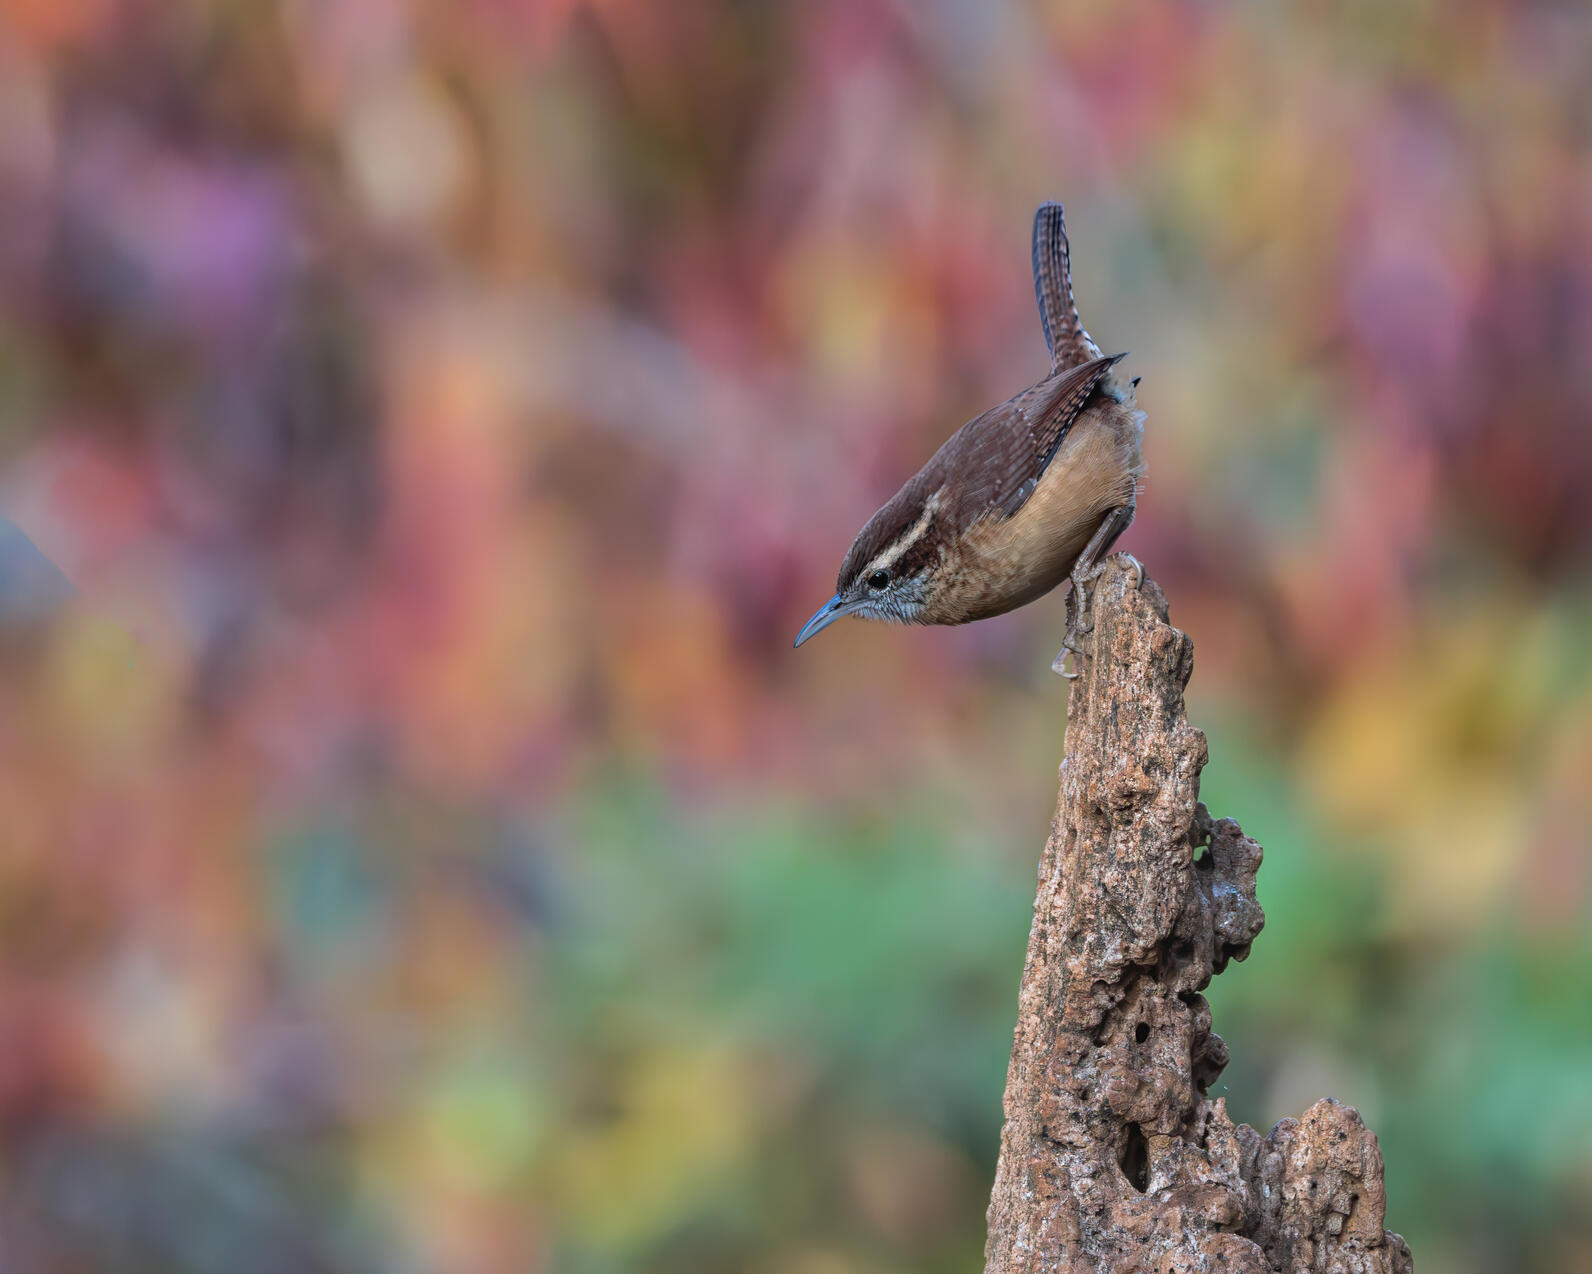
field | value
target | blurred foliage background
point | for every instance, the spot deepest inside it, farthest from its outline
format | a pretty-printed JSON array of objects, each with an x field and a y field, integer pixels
[{"x": 424, "y": 425}]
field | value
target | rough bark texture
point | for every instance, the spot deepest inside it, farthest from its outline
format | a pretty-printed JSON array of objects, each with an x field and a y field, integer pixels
[{"x": 1114, "y": 1158}]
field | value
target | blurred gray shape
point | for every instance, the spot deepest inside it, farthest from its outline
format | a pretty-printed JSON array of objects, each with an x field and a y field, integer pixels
[{"x": 32, "y": 588}]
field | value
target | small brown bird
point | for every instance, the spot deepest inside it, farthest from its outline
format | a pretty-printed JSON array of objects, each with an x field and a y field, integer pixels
[{"x": 1018, "y": 499}]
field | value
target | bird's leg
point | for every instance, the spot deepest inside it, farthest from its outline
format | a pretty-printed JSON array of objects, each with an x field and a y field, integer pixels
[
  {"x": 1084, "y": 573},
  {"x": 1089, "y": 565}
]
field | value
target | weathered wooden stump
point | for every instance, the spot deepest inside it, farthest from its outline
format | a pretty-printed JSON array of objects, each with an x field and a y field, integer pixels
[{"x": 1114, "y": 1158}]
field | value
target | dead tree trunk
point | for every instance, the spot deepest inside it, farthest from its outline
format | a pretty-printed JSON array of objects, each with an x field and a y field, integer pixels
[{"x": 1114, "y": 1158}]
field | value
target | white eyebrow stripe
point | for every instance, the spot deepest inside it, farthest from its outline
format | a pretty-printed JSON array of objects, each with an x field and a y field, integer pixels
[{"x": 887, "y": 559}]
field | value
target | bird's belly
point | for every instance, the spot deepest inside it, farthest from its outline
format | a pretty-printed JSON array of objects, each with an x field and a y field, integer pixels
[{"x": 1010, "y": 562}]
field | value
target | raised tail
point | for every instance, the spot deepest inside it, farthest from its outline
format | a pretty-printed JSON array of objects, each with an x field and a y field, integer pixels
[{"x": 1065, "y": 337}]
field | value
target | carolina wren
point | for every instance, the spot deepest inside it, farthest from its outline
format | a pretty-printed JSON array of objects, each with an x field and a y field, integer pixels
[{"x": 1018, "y": 499}]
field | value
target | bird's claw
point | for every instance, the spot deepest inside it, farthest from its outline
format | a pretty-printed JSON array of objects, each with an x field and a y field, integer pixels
[
  {"x": 1138, "y": 569},
  {"x": 1077, "y": 626},
  {"x": 1059, "y": 666},
  {"x": 1069, "y": 646}
]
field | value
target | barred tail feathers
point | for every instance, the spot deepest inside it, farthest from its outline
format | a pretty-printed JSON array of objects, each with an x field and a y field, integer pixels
[{"x": 1065, "y": 337}]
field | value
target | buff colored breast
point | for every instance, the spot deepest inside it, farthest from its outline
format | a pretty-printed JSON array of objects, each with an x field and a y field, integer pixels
[{"x": 1004, "y": 563}]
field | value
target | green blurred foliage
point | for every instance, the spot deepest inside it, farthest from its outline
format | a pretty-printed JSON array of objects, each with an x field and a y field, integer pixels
[{"x": 423, "y": 428}]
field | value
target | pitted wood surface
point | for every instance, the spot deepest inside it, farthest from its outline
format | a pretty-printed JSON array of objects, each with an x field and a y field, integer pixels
[{"x": 1114, "y": 1159}]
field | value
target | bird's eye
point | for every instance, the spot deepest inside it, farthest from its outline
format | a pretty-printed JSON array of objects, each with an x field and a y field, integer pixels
[{"x": 879, "y": 579}]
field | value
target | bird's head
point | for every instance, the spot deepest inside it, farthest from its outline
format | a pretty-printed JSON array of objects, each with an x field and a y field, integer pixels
[{"x": 890, "y": 570}]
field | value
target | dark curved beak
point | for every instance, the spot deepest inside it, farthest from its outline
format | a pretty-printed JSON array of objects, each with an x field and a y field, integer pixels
[{"x": 835, "y": 608}]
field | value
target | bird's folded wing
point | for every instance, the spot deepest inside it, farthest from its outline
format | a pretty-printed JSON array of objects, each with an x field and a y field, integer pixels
[{"x": 1009, "y": 447}]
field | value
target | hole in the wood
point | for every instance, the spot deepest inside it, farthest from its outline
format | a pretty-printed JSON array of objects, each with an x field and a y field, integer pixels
[
  {"x": 1183, "y": 951},
  {"x": 1136, "y": 1159},
  {"x": 1227, "y": 952},
  {"x": 1141, "y": 1032},
  {"x": 1203, "y": 860}
]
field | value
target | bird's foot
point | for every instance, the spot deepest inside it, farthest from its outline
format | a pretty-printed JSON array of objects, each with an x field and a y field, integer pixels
[
  {"x": 1079, "y": 622},
  {"x": 1080, "y": 610},
  {"x": 1059, "y": 665},
  {"x": 1082, "y": 599}
]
